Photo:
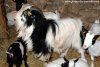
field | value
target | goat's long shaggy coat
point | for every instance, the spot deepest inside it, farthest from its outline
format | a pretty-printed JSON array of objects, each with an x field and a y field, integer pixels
[{"x": 44, "y": 36}]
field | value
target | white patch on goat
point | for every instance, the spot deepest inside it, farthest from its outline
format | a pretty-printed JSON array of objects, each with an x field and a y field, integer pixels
[
  {"x": 28, "y": 32},
  {"x": 50, "y": 37},
  {"x": 19, "y": 23},
  {"x": 29, "y": 44},
  {"x": 71, "y": 63},
  {"x": 88, "y": 40}
]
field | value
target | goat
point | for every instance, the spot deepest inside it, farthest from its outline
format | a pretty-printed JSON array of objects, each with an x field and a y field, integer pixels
[
  {"x": 44, "y": 36},
  {"x": 63, "y": 62},
  {"x": 16, "y": 52},
  {"x": 91, "y": 41},
  {"x": 92, "y": 34}
]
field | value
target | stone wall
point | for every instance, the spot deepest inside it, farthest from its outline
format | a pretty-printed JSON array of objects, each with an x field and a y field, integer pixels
[{"x": 87, "y": 11}]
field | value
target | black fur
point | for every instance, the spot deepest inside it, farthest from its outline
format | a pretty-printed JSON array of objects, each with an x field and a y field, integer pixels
[
  {"x": 15, "y": 56},
  {"x": 83, "y": 34}
]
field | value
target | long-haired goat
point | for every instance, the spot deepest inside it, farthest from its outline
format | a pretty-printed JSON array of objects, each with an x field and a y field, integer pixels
[
  {"x": 44, "y": 36},
  {"x": 16, "y": 52}
]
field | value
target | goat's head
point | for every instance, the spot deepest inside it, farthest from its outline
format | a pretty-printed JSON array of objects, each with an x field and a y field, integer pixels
[
  {"x": 90, "y": 39},
  {"x": 28, "y": 15}
]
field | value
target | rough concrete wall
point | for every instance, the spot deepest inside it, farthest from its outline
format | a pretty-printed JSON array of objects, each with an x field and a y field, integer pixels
[{"x": 87, "y": 11}]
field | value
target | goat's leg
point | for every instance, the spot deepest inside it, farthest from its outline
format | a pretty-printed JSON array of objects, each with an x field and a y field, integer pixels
[
  {"x": 19, "y": 64},
  {"x": 81, "y": 51},
  {"x": 92, "y": 61},
  {"x": 76, "y": 44},
  {"x": 25, "y": 61},
  {"x": 10, "y": 65}
]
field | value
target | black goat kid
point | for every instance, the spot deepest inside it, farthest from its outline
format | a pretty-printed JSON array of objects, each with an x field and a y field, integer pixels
[{"x": 16, "y": 52}]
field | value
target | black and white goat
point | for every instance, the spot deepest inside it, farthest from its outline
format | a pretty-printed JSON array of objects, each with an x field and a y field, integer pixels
[
  {"x": 44, "y": 36},
  {"x": 63, "y": 62},
  {"x": 16, "y": 53},
  {"x": 91, "y": 41}
]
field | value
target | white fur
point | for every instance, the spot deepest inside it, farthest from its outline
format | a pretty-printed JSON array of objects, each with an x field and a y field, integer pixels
[
  {"x": 88, "y": 40},
  {"x": 22, "y": 49},
  {"x": 67, "y": 35},
  {"x": 52, "y": 15},
  {"x": 60, "y": 61},
  {"x": 95, "y": 28}
]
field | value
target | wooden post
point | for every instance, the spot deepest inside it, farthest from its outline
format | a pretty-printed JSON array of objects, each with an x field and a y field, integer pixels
[{"x": 3, "y": 23}]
